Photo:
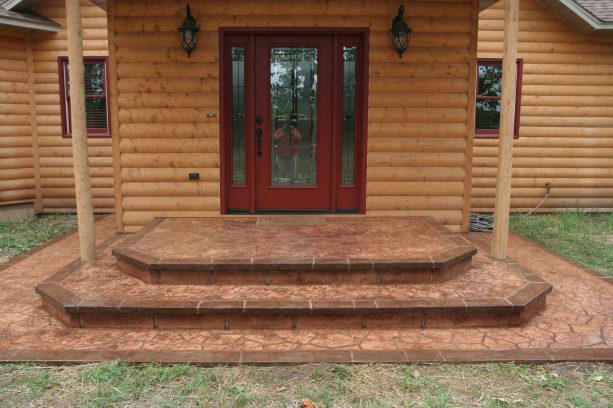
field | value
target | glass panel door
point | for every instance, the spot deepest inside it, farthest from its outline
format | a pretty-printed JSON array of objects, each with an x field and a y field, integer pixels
[
  {"x": 293, "y": 119},
  {"x": 293, "y": 116}
]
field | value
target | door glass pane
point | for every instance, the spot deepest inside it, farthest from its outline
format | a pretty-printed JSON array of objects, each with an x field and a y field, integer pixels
[
  {"x": 293, "y": 82},
  {"x": 348, "y": 126},
  {"x": 238, "y": 116}
]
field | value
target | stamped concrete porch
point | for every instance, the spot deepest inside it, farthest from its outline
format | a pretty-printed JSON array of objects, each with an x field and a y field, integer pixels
[
  {"x": 293, "y": 273},
  {"x": 575, "y": 325}
]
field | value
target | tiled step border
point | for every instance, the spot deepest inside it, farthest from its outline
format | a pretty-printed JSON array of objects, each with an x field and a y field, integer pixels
[
  {"x": 309, "y": 271},
  {"x": 74, "y": 311},
  {"x": 293, "y": 271},
  {"x": 217, "y": 358}
]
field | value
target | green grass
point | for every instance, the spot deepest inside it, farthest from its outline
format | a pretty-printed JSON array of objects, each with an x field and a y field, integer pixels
[
  {"x": 585, "y": 237},
  {"x": 20, "y": 236},
  {"x": 116, "y": 384}
]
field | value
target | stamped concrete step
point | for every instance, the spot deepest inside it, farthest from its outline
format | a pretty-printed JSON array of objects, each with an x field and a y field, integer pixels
[
  {"x": 98, "y": 294},
  {"x": 294, "y": 271},
  {"x": 294, "y": 250},
  {"x": 74, "y": 311}
]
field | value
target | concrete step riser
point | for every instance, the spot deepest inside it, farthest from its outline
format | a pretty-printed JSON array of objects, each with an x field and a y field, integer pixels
[
  {"x": 252, "y": 272},
  {"x": 286, "y": 315}
]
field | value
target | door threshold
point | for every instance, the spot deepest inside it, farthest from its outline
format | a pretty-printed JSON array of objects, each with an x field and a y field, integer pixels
[{"x": 291, "y": 212}]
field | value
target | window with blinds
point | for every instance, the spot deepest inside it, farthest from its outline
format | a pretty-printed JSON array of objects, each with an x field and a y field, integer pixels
[
  {"x": 96, "y": 96},
  {"x": 489, "y": 95}
]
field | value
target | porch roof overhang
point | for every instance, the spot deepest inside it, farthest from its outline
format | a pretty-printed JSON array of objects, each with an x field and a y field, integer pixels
[
  {"x": 18, "y": 5},
  {"x": 588, "y": 21},
  {"x": 569, "y": 10},
  {"x": 27, "y": 21},
  {"x": 100, "y": 3},
  {"x": 483, "y": 4}
]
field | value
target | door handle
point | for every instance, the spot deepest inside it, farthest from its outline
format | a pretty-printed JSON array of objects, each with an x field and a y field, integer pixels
[{"x": 258, "y": 136}]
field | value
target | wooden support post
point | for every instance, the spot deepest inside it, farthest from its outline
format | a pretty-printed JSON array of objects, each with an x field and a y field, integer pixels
[
  {"x": 38, "y": 197},
  {"x": 112, "y": 80},
  {"x": 80, "y": 156},
  {"x": 470, "y": 118},
  {"x": 505, "y": 142}
]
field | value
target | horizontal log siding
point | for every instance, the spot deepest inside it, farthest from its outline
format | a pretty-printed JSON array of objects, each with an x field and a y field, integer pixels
[
  {"x": 16, "y": 164},
  {"x": 56, "y": 171},
  {"x": 417, "y": 104},
  {"x": 566, "y": 115}
]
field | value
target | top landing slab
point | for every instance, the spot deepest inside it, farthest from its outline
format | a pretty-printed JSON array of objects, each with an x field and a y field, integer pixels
[
  {"x": 295, "y": 243},
  {"x": 292, "y": 237}
]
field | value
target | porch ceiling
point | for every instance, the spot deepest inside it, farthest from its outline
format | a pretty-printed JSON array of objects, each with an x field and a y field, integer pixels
[{"x": 483, "y": 4}]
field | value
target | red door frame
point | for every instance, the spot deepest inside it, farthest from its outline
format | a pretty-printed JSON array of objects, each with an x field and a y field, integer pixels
[{"x": 339, "y": 193}]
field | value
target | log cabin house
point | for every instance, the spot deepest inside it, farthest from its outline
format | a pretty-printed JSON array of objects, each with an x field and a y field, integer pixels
[
  {"x": 346, "y": 107},
  {"x": 185, "y": 128}
]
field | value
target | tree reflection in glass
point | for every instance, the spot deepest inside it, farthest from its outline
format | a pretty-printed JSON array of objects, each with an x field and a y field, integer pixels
[
  {"x": 293, "y": 105},
  {"x": 488, "y": 97},
  {"x": 238, "y": 116}
]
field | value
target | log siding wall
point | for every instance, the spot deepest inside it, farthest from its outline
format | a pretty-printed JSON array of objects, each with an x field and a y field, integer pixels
[
  {"x": 17, "y": 183},
  {"x": 417, "y": 133},
  {"x": 56, "y": 170},
  {"x": 414, "y": 167},
  {"x": 566, "y": 133}
]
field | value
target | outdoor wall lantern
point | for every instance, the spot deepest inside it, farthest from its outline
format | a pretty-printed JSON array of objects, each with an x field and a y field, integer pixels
[
  {"x": 401, "y": 32},
  {"x": 189, "y": 32}
]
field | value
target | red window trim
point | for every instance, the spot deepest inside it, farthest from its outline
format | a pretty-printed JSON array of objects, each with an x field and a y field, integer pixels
[
  {"x": 65, "y": 106},
  {"x": 495, "y": 133}
]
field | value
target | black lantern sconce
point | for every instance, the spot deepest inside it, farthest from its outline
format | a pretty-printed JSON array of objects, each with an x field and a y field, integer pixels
[
  {"x": 189, "y": 33},
  {"x": 401, "y": 32}
]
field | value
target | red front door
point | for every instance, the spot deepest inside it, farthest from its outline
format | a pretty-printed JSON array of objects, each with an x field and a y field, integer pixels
[{"x": 290, "y": 139}]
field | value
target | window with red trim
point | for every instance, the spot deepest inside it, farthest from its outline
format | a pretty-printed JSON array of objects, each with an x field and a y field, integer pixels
[
  {"x": 489, "y": 92},
  {"x": 96, "y": 96}
]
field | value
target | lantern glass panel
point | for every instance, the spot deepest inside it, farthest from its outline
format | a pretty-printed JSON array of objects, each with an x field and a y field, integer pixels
[{"x": 400, "y": 41}]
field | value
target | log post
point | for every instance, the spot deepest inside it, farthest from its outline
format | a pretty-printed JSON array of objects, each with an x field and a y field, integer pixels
[
  {"x": 85, "y": 211},
  {"x": 505, "y": 142},
  {"x": 38, "y": 197}
]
